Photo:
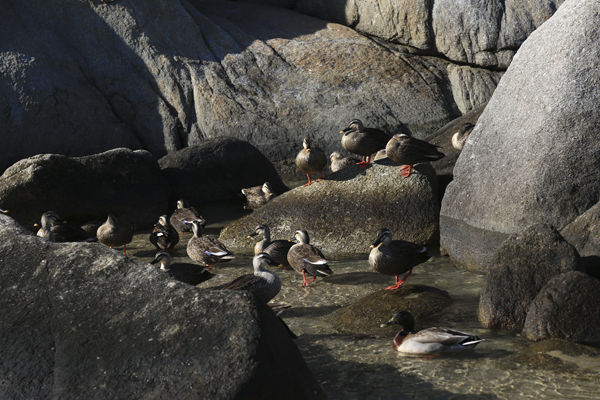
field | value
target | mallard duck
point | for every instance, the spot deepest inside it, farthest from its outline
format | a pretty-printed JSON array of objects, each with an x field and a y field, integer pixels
[
  {"x": 363, "y": 141},
  {"x": 54, "y": 229},
  {"x": 407, "y": 151},
  {"x": 114, "y": 233},
  {"x": 459, "y": 138},
  {"x": 430, "y": 340},
  {"x": 164, "y": 236},
  {"x": 395, "y": 257},
  {"x": 307, "y": 259},
  {"x": 192, "y": 274},
  {"x": 184, "y": 212},
  {"x": 311, "y": 160},
  {"x": 276, "y": 249},
  {"x": 257, "y": 196},
  {"x": 204, "y": 249},
  {"x": 263, "y": 284},
  {"x": 339, "y": 162}
]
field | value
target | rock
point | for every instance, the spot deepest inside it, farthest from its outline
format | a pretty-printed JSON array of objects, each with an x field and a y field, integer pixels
[
  {"x": 166, "y": 75},
  {"x": 121, "y": 181},
  {"x": 523, "y": 264},
  {"x": 216, "y": 170},
  {"x": 532, "y": 158},
  {"x": 443, "y": 138},
  {"x": 472, "y": 88},
  {"x": 343, "y": 213},
  {"x": 80, "y": 321},
  {"x": 584, "y": 232},
  {"x": 364, "y": 316},
  {"x": 556, "y": 354},
  {"x": 566, "y": 308}
]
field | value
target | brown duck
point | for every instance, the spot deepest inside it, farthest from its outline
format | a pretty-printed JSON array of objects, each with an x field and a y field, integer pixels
[
  {"x": 363, "y": 141},
  {"x": 184, "y": 212},
  {"x": 257, "y": 196},
  {"x": 311, "y": 160},
  {"x": 114, "y": 233},
  {"x": 407, "y": 151},
  {"x": 307, "y": 259}
]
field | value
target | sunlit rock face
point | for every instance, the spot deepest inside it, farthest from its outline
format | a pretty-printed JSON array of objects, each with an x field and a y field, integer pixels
[
  {"x": 81, "y": 321},
  {"x": 534, "y": 156},
  {"x": 343, "y": 213}
]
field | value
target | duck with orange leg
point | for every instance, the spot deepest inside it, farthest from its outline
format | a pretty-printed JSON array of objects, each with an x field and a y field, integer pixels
[
  {"x": 363, "y": 141},
  {"x": 395, "y": 257},
  {"x": 407, "y": 151},
  {"x": 305, "y": 258},
  {"x": 115, "y": 233},
  {"x": 310, "y": 160}
]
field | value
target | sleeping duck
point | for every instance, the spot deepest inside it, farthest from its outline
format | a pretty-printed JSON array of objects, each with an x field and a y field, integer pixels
[
  {"x": 339, "y": 162},
  {"x": 204, "y": 249},
  {"x": 407, "y": 151},
  {"x": 184, "y": 212},
  {"x": 430, "y": 340},
  {"x": 460, "y": 137},
  {"x": 257, "y": 196}
]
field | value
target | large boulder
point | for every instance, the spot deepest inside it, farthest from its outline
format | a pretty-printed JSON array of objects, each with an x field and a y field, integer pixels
[
  {"x": 343, "y": 213},
  {"x": 217, "y": 170},
  {"x": 523, "y": 264},
  {"x": 80, "y": 321},
  {"x": 533, "y": 156},
  {"x": 120, "y": 181},
  {"x": 162, "y": 75},
  {"x": 566, "y": 308}
]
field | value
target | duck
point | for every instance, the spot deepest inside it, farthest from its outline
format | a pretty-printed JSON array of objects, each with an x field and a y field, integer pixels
[
  {"x": 54, "y": 229},
  {"x": 407, "y": 151},
  {"x": 263, "y": 284},
  {"x": 428, "y": 341},
  {"x": 257, "y": 196},
  {"x": 311, "y": 160},
  {"x": 164, "y": 236},
  {"x": 305, "y": 258},
  {"x": 363, "y": 141},
  {"x": 276, "y": 249},
  {"x": 395, "y": 257},
  {"x": 184, "y": 212},
  {"x": 339, "y": 162},
  {"x": 192, "y": 274},
  {"x": 114, "y": 233},
  {"x": 204, "y": 249},
  {"x": 460, "y": 137}
]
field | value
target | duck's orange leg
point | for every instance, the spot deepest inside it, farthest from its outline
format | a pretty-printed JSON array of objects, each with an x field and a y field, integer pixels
[
  {"x": 309, "y": 180},
  {"x": 399, "y": 282},
  {"x": 406, "y": 170}
]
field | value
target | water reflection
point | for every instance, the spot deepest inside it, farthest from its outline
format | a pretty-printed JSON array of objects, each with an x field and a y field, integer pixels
[{"x": 367, "y": 368}]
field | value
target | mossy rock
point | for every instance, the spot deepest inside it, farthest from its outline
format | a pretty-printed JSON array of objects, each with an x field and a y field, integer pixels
[{"x": 364, "y": 316}]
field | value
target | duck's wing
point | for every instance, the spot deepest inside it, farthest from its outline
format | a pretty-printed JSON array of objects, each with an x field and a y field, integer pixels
[
  {"x": 314, "y": 262},
  {"x": 425, "y": 149},
  {"x": 278, "y": 250},
  {"x": 244, "y": 282},
  {"x": 447, "y": 337}
]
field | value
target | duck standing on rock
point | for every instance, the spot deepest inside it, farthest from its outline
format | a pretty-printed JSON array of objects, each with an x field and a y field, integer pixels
[
  {"x": 184, "y": 212},
  {"x": 204, "y": 249},
  {"x": 114, "y": 233},
  {"x": 263, "y": 284},
  {"x": 276, "y": 249},
  {"x": 430, "y": 340},
  {"x": 407, "y": 151},
  {"x": 164, "y": 236},
  {"x": 257, "y": 196},
  {"x": 338, "y": 162},
  {"x": 395, "y": 257},
  {"x": 305, "y": 258},
  {"x": 363, "y": 141},
  {"x": 311, "y": 160},
  {"x": 192, "y": 274}
]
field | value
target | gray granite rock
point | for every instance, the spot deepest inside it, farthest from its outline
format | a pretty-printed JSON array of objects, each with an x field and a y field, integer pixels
[
  {"x": 523, "y": 264},
  {"x": 343, "y": 213},
  {"x": 80, "y": 321},
  {"x": 533, "y": 156},
  {"x": 584, "y": 232},
  {"x": 216, "y": 170},
  {"x": 123, "y": 182},
  {"x": 566, "y": 308}
]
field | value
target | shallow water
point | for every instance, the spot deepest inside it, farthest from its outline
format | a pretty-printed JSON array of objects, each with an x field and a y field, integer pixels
[{"x": 368, "y": 368}]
